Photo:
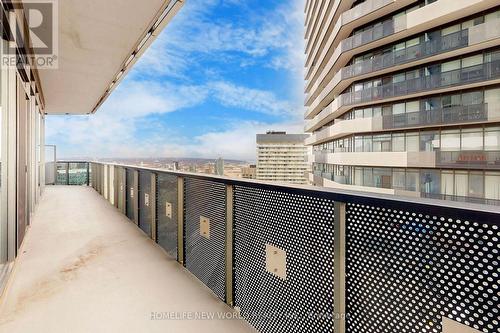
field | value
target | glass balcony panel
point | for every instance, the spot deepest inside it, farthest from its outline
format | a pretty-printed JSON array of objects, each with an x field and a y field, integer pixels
[
  {"x": 468, "y": 159},
  {"x": 431, "y": 81},
  {"x": 448, "y": 115},
  {"x": 431, "y": 47}
]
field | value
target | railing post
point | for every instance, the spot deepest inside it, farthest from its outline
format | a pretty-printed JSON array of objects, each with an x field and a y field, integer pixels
[
  {"x": 123, "y": 175},
  {"x": 67, "y": 173},
  {"x": 98, "y": 178},
  {"x": 152, "y": 200},
  {"x": 180, "y": 220},
  {"x": 116, "y": 182},
  {"x": 339, "y": 267},
  {"x": 88, "y": 174},
  {"x": 136, "y": 197},
  {"x": 229, "y": 244}
]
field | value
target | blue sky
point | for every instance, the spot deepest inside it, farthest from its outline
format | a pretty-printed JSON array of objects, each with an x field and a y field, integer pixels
[{"x": 220, "y": 72}]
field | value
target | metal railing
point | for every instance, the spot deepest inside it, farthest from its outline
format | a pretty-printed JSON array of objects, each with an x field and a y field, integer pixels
[
  {"x": 72, "y": 173},
  {"x": 380, "y": 31},
  {"x": 307, "y": 259},
  {"x": 347, "y": 180},
  {"x": 449, "y": 115},
  {"x": 468, "y": 159},
  {"x": 423, "y": 50},
  {"x": 482, "y": 201},
  {"x": 478, "y": 73}
]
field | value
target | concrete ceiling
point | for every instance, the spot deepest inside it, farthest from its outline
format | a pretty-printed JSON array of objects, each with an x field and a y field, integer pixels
[{"x": 96, "y": 37}]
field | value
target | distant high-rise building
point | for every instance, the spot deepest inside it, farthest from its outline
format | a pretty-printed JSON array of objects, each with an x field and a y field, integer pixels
[
  {"x": 219, "y": 167},
  {"x": 403, "y": 97},
  {"x": 249, "y": 172},
  {"x": 282, "y": 157},
  {"x": 176, "y": 166}
]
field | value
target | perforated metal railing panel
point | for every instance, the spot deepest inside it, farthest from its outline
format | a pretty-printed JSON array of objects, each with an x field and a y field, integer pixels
[
  {"x": 145, "y": 202},
  {"x": 167, "y": 218},
  {"x": 205, "y": 257},
  {"x": 405, "y": 270},
  {"x": 302, "y": 226},
  {"x": 131, "y": 193},
  {"x": 409, "y": 263}
]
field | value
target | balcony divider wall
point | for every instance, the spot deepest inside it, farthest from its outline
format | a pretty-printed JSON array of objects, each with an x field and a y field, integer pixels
[{"x": 289, "y": 257}]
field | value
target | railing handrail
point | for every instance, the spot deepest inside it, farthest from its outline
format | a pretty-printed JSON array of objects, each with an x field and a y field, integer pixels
[
  {"x": 429, "y": 206},
  {"x": 421, "y": 83},
  {"x": 395, "y": 57}
]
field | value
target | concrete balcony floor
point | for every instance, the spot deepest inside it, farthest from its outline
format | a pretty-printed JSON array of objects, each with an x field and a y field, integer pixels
[{"x": 84, "y": 267}]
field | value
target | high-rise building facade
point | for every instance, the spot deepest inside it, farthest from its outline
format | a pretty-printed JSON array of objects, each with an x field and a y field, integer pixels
[
  {"x": 403, "y": 97},
  {"x": 282, "y": 157},
  {"x": 219, "y": 167},
  {"x": 249, "y": 172}
]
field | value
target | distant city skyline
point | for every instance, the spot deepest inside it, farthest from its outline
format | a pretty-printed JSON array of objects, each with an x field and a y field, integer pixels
[{"x": 219, "y": 73}]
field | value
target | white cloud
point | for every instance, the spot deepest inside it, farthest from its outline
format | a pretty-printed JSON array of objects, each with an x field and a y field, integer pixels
[
  {"x": 118, "y": 139},
  {"x": 194, "y": 34},
  {"x": 114, "y": 130},
  {"x": 238, "y": 142},
  {"x": 250, "y": 99}
]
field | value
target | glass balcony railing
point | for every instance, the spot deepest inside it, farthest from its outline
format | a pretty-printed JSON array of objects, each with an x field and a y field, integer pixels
[
  {"x": 346, "y": 180},
  {"x": 449, "y": 115},
  {"x": 379, "y": 31},
  {"x": 463, "y": 76},
  {"x": 440, "y": 45},
  {"x": 72, "y": 173},
  {"x": 482, "y": 201},
  {"x": 468, "y": 159}
]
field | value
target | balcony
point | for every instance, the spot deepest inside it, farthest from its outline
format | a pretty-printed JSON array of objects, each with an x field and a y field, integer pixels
[
  {"x": 442, "y": 116},
  {"x": 193, "y": 242},
  {"x": 341, "y": 156},
  {"x": 460, "y": 114},
  {"x": 323, "y": 37},
  {"x": 468, "y": 159},
  {"x": 85, "y": 267},
  {"x": 347, "y": 21},
  {"x": 385, "y": 29},
  {"x": 440, "y": 45},
  {"x": 459, "y": 77},
  {"x": 470, "y": 77}
]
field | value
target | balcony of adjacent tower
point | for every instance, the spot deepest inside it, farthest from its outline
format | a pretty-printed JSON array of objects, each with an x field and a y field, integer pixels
[{"x": 487, "y": 73}]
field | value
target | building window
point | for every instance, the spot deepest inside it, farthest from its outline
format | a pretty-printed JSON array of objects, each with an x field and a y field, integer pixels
[
  {"x": 492, "y": 185},
  {"x": 367, "y": 177},
  {"x": 472, "y": 139},
  {"x": 358, "y": 176},
  {"x": 382, "y": 177},
  {"x": 398, "y": 179},
  {"x": 428, "y": 140},
  {"x": 492, "y": 139},
  {"x": 430, "y": 181},
  {"x": 447, "y": 182},
  {"x": 461, "y": 183},
  {"x": 398, "y": 142},
  {"x": 476, "y": 185},
  {"x": 382, "y": 143},
  {"x": 450, "y": 140},
  {"x": 412, "y": 177},
  {"x": 412, "y": 144}
]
